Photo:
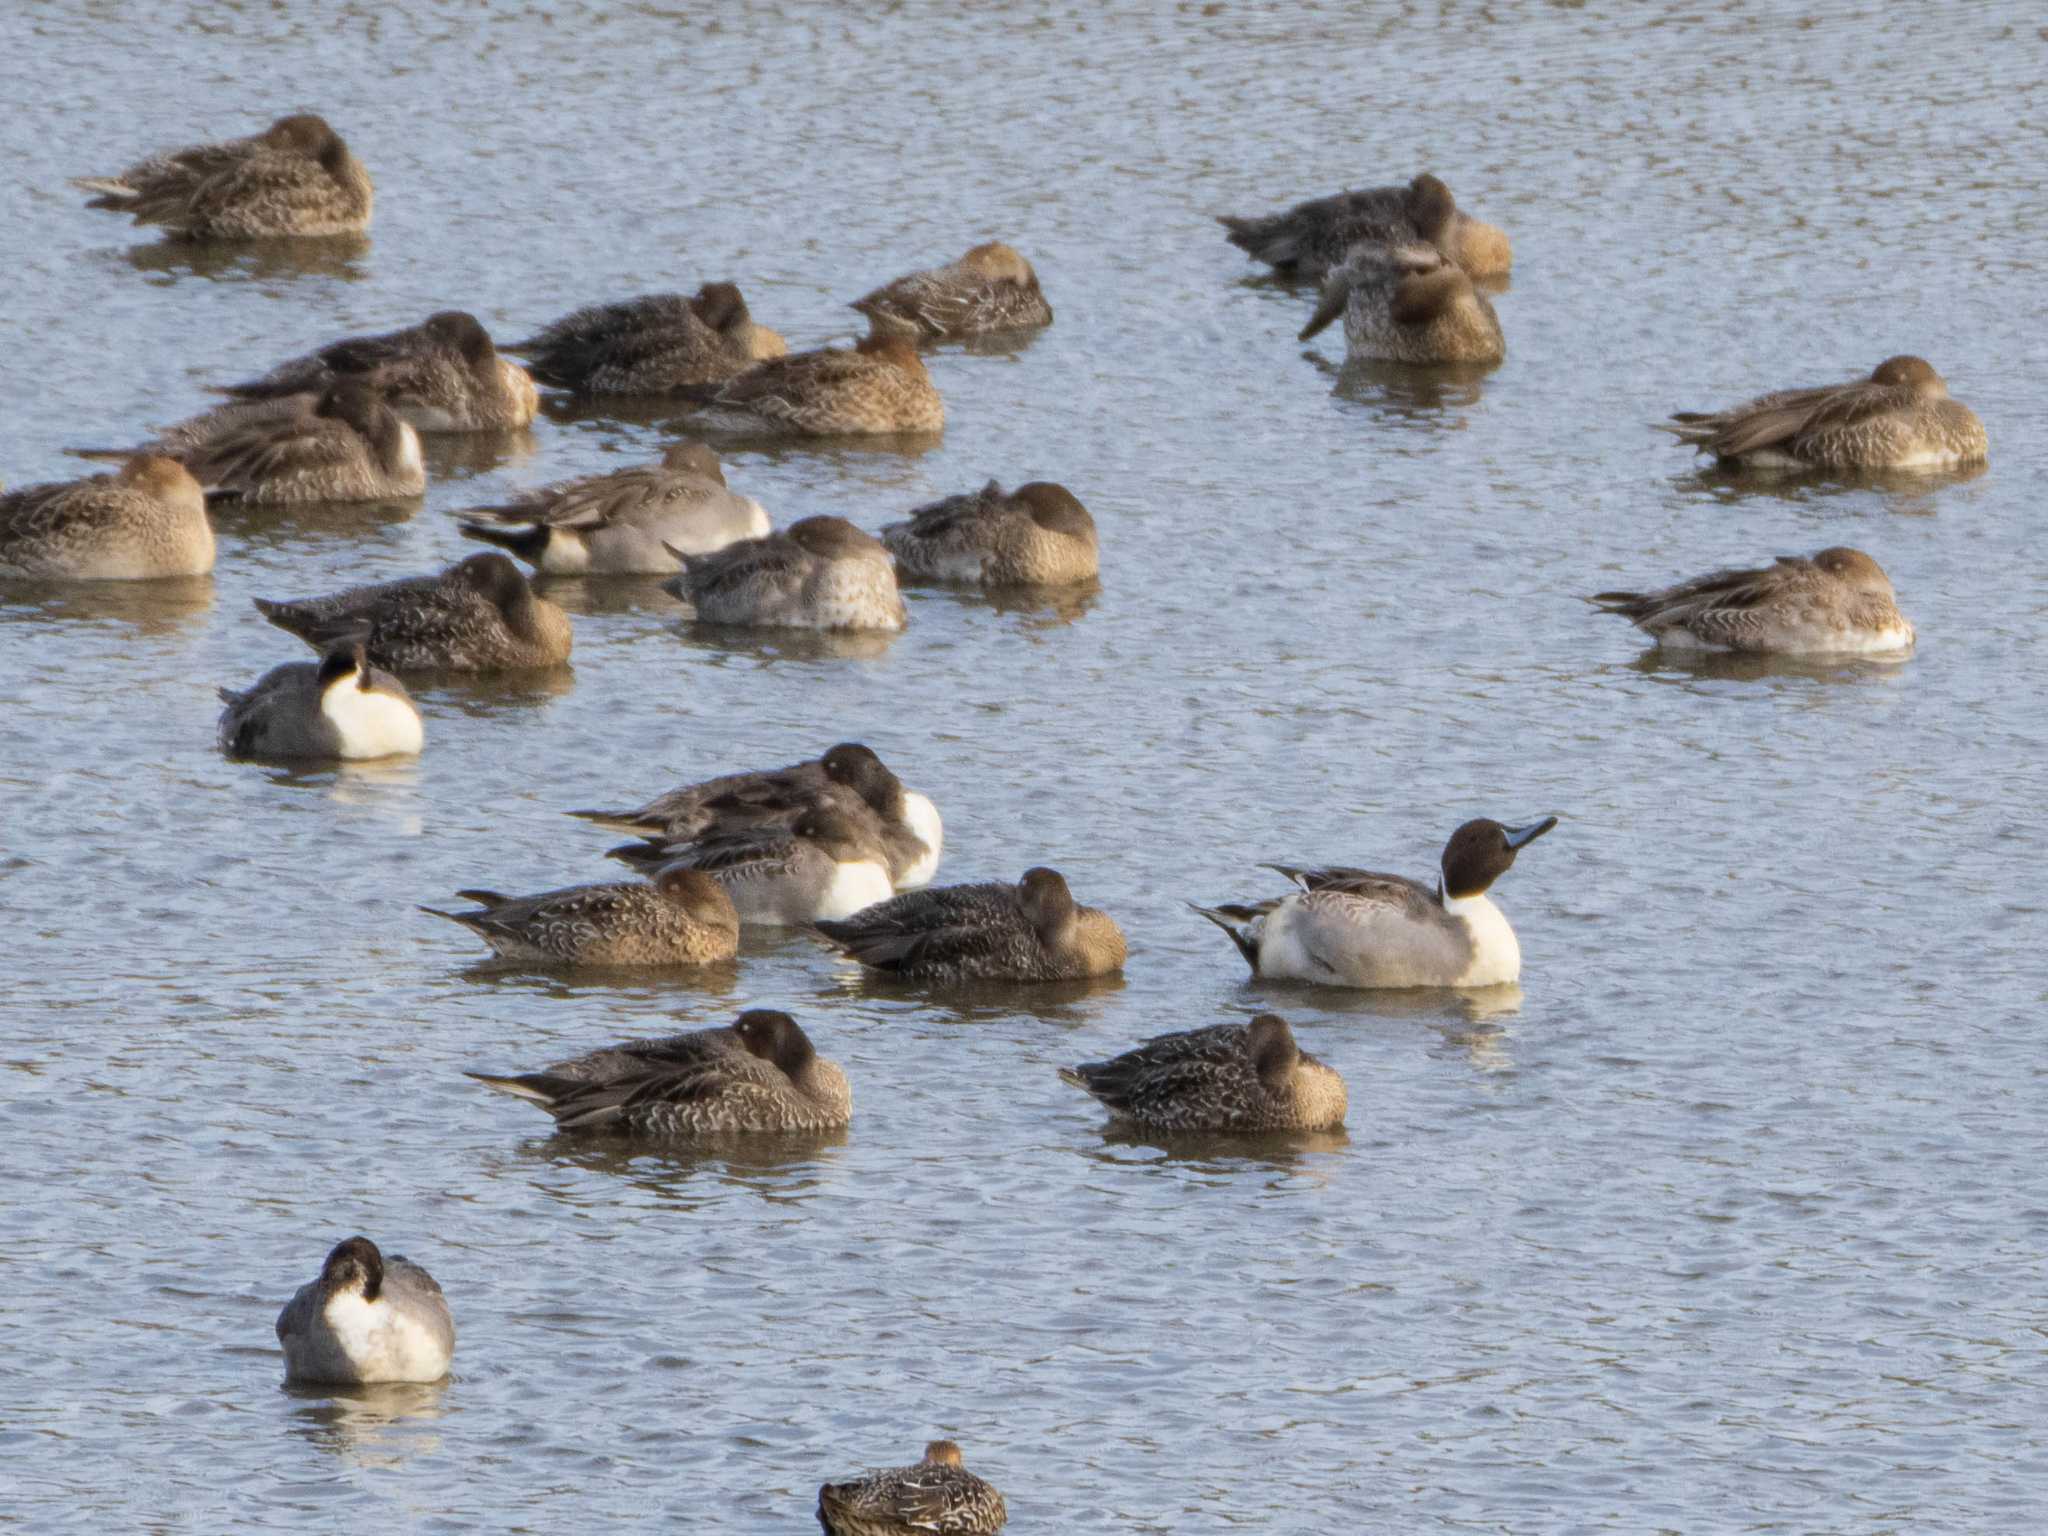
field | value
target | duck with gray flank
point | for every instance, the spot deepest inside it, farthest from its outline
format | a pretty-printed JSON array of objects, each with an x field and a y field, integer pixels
[
  {"x": 654, "y": 345},
  {"x": 144, "y": 522},
  {"x": 826, "y": 865},
  {"x": 776, "y": 1081},
  {"x": 1228, "y": 1077},
  {"x": 370, "y": 1318},
  {"x": 1311, "y": 238},
  {"x": 937, "y": 1497},
  {"x": 1356, "y": 928},
  {"x": 682, "y": 918},
  {"x": 1406, "y": 304},
  {"x": 442, "y": 375},
  {"x": 818, "y": 573},
  {"x": 1038, "y": 536},
  {"x": 296, "y": 178},
  {"x": 337, "y": 707},
  {"x": 878, "y": 386},
  {"x": 1031, "y": 931},
  {"x": 1901, "y": 417},
  {"x": 625, "y": 522},
  {"x": 479, "y": 615},
  {"x": 1839, "y": 601},
  {"x": 990, "y": 289}
]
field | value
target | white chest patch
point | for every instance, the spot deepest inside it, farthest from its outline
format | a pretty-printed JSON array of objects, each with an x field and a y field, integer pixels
[
  {"x": 922, "y": 817},
  {"x": 373, "y": 724},
  {"x": 854, "y": 886},
  {"x": 380, "y": 1343},
  {"x": 1496, "y": 953}
]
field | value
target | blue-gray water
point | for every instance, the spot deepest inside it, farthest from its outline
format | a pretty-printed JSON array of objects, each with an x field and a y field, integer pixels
[{"x": 1732, "y": 1220}]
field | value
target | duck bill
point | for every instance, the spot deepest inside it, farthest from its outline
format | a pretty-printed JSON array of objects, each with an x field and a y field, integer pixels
[{"x": 1522, "y": 837}]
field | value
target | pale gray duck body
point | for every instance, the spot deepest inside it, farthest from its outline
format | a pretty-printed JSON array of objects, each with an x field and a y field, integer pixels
[
  {"x": 1837, "y": 602},
  {"x": 1031, "y": 931},
  {"x": 658, "y": 344},
  {"x": 937, "y": 1497},
  {"x": 370, "y": 1318},
  {"x": 824, "y": 866},
  {"x": 296, "y": 178},
  {"x": 146, "y": 522},
  {"x": 818, "y": 573},
  {"x": 991, "y": 289},
  {"x": 1228, "y": 1077},
  {"x": 337, "y": 708},
  {"x": 1040, "y": 535},
  {"x": 1901, "y": 417}
]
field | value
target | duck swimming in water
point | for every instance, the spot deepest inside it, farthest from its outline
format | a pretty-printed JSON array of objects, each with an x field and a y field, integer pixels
[
  {"x": 990, "y": 289},
  {"x": 296, "y": 178},
  {"x": 937, "y": 1497},
  {"x": 1228, "y": 1077},
  {"x": 1901, "y": 417},
  {"x": 369, "y": 1318},
  {"x": 1839, "y": 601}
]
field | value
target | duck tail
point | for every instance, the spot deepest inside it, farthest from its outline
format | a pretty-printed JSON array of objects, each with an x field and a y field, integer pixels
[
  {"x": 526, "y": 543},
  {"x": 1229, "y": 918}
]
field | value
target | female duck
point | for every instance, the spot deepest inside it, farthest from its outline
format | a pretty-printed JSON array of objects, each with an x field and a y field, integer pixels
[
  {"x": 477, "y": 616},
  {"x": 990, "y": 289},
  {"x": 937, "y": 1497},
  {"x": 1406, "y": 304},
  {"x": 339, "y": 707},
  {"x": 1355, "y": 928},
  {"x": 1031, "y": 931},
  {"x": 294, "y": 178},
  {"x": 682, "y": 918},
  {"x": 145, "y": 522},
  {"x": 1040, "y": 536},
  {"x": 1838, "y": 602},
  {"x": 656, "y": 345},
  {"x": 825, "y": 866},
  {"x": 776, "y": 1081},
  {"x": 879, "y": 386},
  {"x": 819, "y": 573},
  {"x": 367, "y": 1319},
  {"x": 1311, "y": 238},
  {"x": 1901, "y": 417},
  {"x": 1228, "y": 1077}
]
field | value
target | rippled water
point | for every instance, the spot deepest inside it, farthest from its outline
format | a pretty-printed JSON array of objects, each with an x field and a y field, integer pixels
[{"x": 1731, "y": 1218}]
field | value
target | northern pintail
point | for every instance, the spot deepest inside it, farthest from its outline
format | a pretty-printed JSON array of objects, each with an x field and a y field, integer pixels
[
  {"x": 1031, "y": 931},
  {"x": 776, "y": 1082},
  {"x": 625, "y": 522},
  {"x": 479, "y": 615},
  {"x": 337, "y": 707},
  {"x": 1227, "y": 1077},
  {"x": 818, "y": 573},
  {"x": 990, "y": 289},
  {"x": 825, "y": 866},
  {"x": 1901, "y": 417},
  {"x": 296, "y": 177},
  {"x": 442, "y": 375},
  {"x": 654, "y": 345},
  {"x": 1355, "y": 928},
  {"x": 368, "y": 1319},
  {"x": 1406, "y": 304},
  {"x": 1838, "y": 601},
  {"x": 938, "y": 1495},
  {"x": 681, "y": 918},
  {"x": 881, "y": 385},
  {"x": 1312, "y": 237},
  {"x": 1038, "y": 536},
  {"x": 146, "y": 521}
]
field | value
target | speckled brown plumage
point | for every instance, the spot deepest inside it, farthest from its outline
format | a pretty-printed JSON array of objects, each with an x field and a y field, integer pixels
[
  {"x": 653, "y": 345},
  {"x": 1040, "y": 535},
  {"x": 1031, "y": 931},
  {"x": 1901, "y": 417},
  {"x": 1839, "y": 600},
  {"x": 1311, "y": 238},
  {"x": 680, "y": 918},
  {"x": 1227, "y": 1077},
  {"x": 144, "y": 522},
  {"x": 296, "y": 178},
  {"x": 818, "y": 573},
  {"x": 990, "y": 289},
  {"x": 1406, "y": 304},
  {"x": 937, "y": 1497},
  {"x": 879, "y": 386},
  {"x": 477, "y": 616}
]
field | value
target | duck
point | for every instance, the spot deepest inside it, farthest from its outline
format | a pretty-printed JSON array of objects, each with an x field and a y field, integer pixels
[
  {"x": 1901, "y": 417},
  {"x": 991, "y": 288},
  {"x": 143, "y": 522},
  {"x": 776, "y": 1081},
  {"x": 479, "y": 615},
  {"x": 938, "y": 1495},
  {"x": 682, "y": 918},
  {"x": 1311, "y": 238},
  {"x": 1355, "y": 928},
  {"x": 653, "y": 345},
  {"x": 338, "y": 707},
  {"x": 1406, "y": 304},
  {"x": 626, "y": 522},
  {"x": 1031, "y": 931},
  {"x": 818, "y": 573},
  {"x": 443, "y": 375},
  {"x": 1038, "y": 536},
  {"x": 824, "y": 866},
  {"x": 879, "y": 385},
  {"x": 1836, "y": 601},
  {"x": 295, "y": 178},
  {"x": 369, "y": 1319},
  {"x": 1226, "y": 1077}
]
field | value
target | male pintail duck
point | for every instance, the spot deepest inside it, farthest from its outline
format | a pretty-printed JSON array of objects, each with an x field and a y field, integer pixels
[
  {"x": 1901, "y": 417},
  {"x": 776, "y": 1082},
  {"x": 826, "y": 865},
  {"x": 1038, "y": 536},
  {"x": 1227, "y": 1077},
  {"x": 990, "y": 289},
  {"x": 369, "y": 1318},
  {"x": 337, "y": 707},
  {"x": 442, "y": 375},
  {"x": 1031, "y": 931},
  {"x": 479, "y": 615},
  {"x": 655, "y": 345},
  {"x": 1839, "y": 601},
  {"x": 937, "y": 1497},
  {"x": 880, "y": 385},
  {"x": 682, "y": 918},
  {"x": 818, "y": 573},
  {"x": 1311, "y": 238},
  {"x": 1406, "y": 304},
  {"x": 1355, "y": 928},
  {"x": 625, "y": 522},
  {"x": 294, "y": 178},
  {"x": 144, "y": 522}
]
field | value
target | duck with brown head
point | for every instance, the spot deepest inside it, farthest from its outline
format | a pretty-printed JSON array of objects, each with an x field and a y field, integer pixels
[
  {"x": 879, "y": 386},
  {"x": 294, "y": 179},
  {"x": 370, "y": 1318},
  {"x": 1406, "y": 304},
  {"x": 991, "y": 289},
  {"x": 681, "y": 918},
  {"x": 1838, "y": 602},
  {"x": 1311, "y": 238},
  {"x": 818, "y": 573},
  {"x": 143, "y": 523},
  {"x": 651, "y": 346},
  {"x": 1900, "y": 418},
  {"x": 1038, "y": 536},
  {"x": 936, "y": 1497},
  {"x": 1243, "y": 1078},
  {"x": 1031, "y": 931}
]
